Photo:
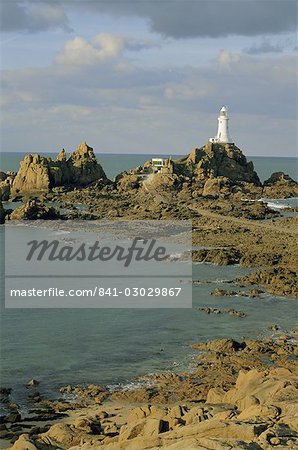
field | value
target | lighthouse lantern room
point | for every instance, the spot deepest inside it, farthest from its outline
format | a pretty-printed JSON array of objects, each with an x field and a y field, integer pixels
[{"x": 223, "y": 128}]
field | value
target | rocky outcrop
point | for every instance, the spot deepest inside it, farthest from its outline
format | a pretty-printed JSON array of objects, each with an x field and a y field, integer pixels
[
  {"x": 278, "y": 281},
  {"x": 220, "y": 345},
  {"x": 128, "y": 182},
  {"x": 279, "y": 177},
  {"x": 33, "y": 210},
  {"x": 214, "y": 170},
  {"x": 6, "y": 180},
  {"x": 34, "y": 175},
  {"x": 83, "y": 166},
  {"x": 280, "y": 185},
  {"x": 220, "y": 256},
  {"x": 219, "y": 160},
  {"x": 213, "y": 187},
  {"x": 40, "y": 174}
]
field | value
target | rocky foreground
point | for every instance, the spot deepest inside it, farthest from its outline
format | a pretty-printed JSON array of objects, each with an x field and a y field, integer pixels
[{"x": 240, "y": 395}]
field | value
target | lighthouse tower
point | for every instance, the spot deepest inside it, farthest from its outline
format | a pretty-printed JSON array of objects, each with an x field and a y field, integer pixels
[{"x": 222, "y": 136}]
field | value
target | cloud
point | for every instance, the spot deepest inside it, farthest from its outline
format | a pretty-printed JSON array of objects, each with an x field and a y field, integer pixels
[
  {"x": 80, "y": 52},
  {"x": 226, "y": 59},
  {"x": 264, "y": 47},
  {"x": 29, "y": 16},
  {"x": 205, "y": 18},
  {"x": 96, "y": 87},
  {"x": 175, "y": 18},
  {"x": 137, "y": 45},
  {"x": 101, "y": 48}
]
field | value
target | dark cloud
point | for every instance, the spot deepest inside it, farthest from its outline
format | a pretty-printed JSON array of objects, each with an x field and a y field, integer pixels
[
  {"x": 30, "y": 16},
  {"x": 205, "y": 18},
  {"x": 264, "y": 47},
  {"x": 173, "y": 18}
]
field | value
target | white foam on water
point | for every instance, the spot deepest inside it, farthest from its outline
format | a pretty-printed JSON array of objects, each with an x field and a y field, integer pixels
[{"x": 280, "y": 203}]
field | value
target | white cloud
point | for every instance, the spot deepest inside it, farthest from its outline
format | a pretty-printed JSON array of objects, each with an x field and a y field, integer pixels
[
  {"x": 226, "y": 59},
  {"x": 101, "y": 48},
  {"x": 80, "y": 52}
]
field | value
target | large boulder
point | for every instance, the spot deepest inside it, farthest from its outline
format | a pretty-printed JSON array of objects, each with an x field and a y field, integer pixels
[
  {"x": 6, "y": 180},
  {"x": 213, "y": 187},
  {"x": 225, "y": 345},
  {"x": 60, "y": 435},
  {"x": 4, "y": 190},
  {"x": 255, "y": 388},
  {"x": 23, "y": 443},
  {"x": 33, "y": 210},
  {"x": 40, "y": 174},
  {"x": 34, "y": 175}
]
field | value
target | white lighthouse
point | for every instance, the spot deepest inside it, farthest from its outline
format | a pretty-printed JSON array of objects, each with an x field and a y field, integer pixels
[{"x": 222, "y": 136}]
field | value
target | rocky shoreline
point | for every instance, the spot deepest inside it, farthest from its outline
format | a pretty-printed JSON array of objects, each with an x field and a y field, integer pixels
[{"x": 240, "y": 395}]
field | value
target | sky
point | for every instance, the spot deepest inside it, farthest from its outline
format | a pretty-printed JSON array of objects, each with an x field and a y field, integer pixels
[{"x": 148, "y": 76}]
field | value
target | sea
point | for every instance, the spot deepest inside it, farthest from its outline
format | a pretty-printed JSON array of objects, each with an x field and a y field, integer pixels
[{"x": 113, "y": 347}]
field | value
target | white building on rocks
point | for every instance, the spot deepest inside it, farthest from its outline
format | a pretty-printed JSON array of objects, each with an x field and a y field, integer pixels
[{"x": 222, "y": 136}]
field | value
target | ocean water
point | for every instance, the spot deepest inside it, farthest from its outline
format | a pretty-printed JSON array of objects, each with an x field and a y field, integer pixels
[
  {"x": 114, "y": 164},
  {"x": 110, "y": 346}
]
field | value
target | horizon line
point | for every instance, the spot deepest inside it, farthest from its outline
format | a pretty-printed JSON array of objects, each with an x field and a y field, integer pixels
[{"x": 140, "y": 154}]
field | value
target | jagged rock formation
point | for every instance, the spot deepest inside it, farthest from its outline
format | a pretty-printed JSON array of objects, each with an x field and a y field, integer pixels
[
  {"x": 218, "y": 160},
  {"x": 40, "y": 174},
  {"x": 214, "y": 186},
  {"x": 211, "y": 171},
  {"x": 278, "y": 281},
  {"x": 278, "y": 177},
  {"x": 280, "y": 185},
  {"x": 33, "y": 210},
  {"x": 83, "y": 166}
]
